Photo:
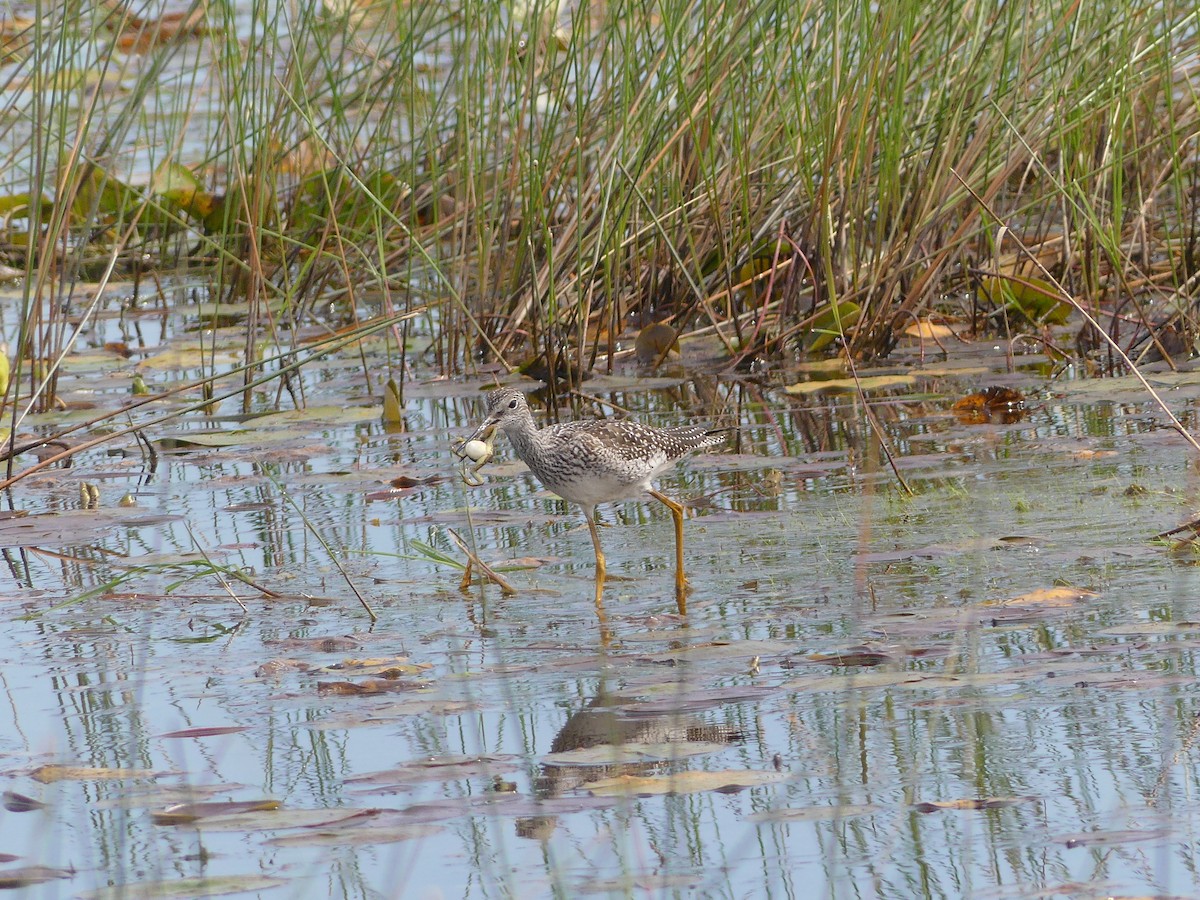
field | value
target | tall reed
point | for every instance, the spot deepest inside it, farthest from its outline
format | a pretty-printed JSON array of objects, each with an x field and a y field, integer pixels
[{"x": 542, "y": 179}]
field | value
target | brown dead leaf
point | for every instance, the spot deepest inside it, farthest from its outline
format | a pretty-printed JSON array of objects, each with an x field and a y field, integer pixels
[
  {"x": 273, "y": 667},
  {"x": 11, "y": 879},
  {"x": 654, "y": 343},
  {"x": 15, "y": 26},
  {"x": 385, "y": 667},
  {"x": 142, "y": 35},
  {"x": 928, "y": 329},
  {"x": 527, "y": 562},
  {"x": 1053, "y": 598},
  {"x": 51, "y": 774},
  {"x": 212, "y": 731},
  {"x": 15, "y": 35},
  {"x": 995, "y": 404},
  {"x": 308, "y": 157},
  {"x": 852, "y": 656},
  {"x": 851, "y": 385},
  {"x": 256, "y": 821},
  {"x": 15, "y": 802},
  {"x": 405, "y": 482}
]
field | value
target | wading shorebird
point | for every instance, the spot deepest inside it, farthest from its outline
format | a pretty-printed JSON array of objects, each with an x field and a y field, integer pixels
[{"x": 592, "y": 461}]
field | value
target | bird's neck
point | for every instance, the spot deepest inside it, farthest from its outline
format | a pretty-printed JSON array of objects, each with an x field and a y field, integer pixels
[{"x": 523, "y": 436}]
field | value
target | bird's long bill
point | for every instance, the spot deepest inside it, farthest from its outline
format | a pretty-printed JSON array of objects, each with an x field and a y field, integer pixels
[{"x": 484, "y": 432}]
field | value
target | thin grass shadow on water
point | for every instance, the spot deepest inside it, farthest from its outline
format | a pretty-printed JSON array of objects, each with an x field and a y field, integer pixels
[
  {"x": 930, "y": 649},
  {"x": 869, "y": 687}
]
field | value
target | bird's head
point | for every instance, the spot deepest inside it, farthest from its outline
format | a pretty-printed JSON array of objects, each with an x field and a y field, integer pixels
[{"x": 506, "y": 408}]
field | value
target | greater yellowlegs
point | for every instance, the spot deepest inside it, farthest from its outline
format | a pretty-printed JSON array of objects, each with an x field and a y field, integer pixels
[{"x": 596, "y": 461}]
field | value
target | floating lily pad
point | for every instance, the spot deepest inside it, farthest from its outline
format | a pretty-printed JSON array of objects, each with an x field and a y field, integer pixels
[{"x": 59, "y": 529}]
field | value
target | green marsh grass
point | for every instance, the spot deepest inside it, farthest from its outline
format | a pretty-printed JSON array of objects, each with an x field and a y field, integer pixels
[{"x": 541, "y": 179}]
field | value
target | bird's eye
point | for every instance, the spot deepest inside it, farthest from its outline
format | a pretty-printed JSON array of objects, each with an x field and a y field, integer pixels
[{"x": 512, "y": 404}]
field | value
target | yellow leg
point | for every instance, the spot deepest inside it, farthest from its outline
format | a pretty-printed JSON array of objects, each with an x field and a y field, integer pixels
[
  {"x": 680, "y": 581},
  {"x": 602, "y": 618},
  {"x": 601, "y": 569},
  {"x": 601, "y": 566}
]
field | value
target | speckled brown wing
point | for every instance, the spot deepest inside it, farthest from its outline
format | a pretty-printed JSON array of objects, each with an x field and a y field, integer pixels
[{"x": 631, "y": 441}]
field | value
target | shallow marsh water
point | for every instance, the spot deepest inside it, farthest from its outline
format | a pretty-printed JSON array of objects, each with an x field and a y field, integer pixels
[{"x": 988, "y": 689}]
